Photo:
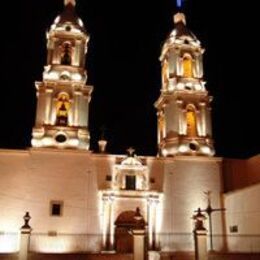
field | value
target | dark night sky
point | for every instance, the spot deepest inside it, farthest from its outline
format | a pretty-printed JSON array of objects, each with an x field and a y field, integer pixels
[{"x": 123, "y": 66}]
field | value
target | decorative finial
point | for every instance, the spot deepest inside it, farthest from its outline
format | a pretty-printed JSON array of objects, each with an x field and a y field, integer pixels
[
  {"x": 131, "y": 151},
  {"x": 102, "y": 145},
  {"x": 73, "y": 2},
  {"x": 138, "y": 215},
  {"x": 26, "y": 219},
  {"x": 179, "y": 17}
]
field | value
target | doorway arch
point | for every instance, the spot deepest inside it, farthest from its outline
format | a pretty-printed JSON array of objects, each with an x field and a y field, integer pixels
[{"x": 124, "y": 223}]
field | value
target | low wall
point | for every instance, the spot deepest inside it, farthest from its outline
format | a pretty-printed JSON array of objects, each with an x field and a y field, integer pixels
[{"x": 233, "y": 256}]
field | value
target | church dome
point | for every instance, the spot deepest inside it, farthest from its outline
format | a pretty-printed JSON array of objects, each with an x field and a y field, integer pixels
[
  {"x": 68, "y": 20},
  {"x": 180, "y": 35}
]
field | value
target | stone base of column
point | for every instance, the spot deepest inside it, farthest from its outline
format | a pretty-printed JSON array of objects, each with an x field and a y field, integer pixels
[
  {"x": 154, "y": 255},
  {"x": 108, "y": 252},
  {"x": 139, "y": 245},
  {"x": 24, "y": 243},
  {"x": 200, "y": 237}
]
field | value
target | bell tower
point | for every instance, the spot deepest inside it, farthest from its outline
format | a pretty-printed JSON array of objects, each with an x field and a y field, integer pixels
[
  {"x": 63, "y": 97},
  {"x": 183, "y": 108}
]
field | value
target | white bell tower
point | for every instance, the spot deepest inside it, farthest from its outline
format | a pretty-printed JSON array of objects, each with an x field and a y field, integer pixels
[
  {"x": 63, "y": 96},
  {"x": 183, "y": 108}
]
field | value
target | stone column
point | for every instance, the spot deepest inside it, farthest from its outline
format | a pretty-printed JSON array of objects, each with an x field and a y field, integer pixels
[
  {"x": 111, "y": 225},
  {"x": 158, "y": 127},
  {"x": 202, "y": 119},
  {"x": 155, "y": 231},
  {"x": 181, "y": 117},
  {"x": 139, "y": 244},
  {"x": 179, "y": 69},
  {"x": 84, "y": 110},
  {"x": 53, "y": 111},
  {"x": 40, "y": 112},
  {"x": 200, "y": 237},
  {"x": 108, "y": 233},
  {"x": 182, "y": 122},
  {"x": 208, "y": 123},
  {"x": 77, "y": 55},
  {"x": 138, "y": 233},
  {"x": 105, "y": 223},
  {"x": 152, "y": 223},
  {"x": 197, "y": 65},
  {"x": 76, "y": 108},
  {"x": 48, "y": 106},
  {"x": 25, "y": 238},
  {"x": 56, "y": 52},
  {"x": 200, "y": 66}
]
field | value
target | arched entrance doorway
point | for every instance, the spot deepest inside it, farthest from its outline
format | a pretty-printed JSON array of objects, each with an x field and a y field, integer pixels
[{"x": 124, "y": 223}]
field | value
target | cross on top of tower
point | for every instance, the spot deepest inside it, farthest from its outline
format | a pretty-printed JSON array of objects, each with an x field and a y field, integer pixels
[
  {"x": 73, "y": 2},
  {"x": 131, "y": 151}
]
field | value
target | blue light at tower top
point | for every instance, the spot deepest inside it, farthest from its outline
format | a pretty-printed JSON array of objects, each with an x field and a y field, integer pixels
[{"x": 179, "y": 3}]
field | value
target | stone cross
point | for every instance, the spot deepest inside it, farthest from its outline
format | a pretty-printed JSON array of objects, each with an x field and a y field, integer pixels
[{"x": 131, "y": 151}]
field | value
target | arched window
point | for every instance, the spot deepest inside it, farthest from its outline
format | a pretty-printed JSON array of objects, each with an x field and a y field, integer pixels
[
  {"x": 63, "y": 106},
  {"x": 66, "y": 53},
  {"x": 191, "y": 121},
  {"x": 187, "y": 66}
]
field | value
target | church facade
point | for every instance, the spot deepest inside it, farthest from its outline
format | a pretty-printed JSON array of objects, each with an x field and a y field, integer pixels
[{"x": 85, "y": 201}]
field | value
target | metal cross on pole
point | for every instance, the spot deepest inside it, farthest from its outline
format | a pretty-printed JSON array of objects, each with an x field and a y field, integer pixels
[{"x": 209, "y": 210}]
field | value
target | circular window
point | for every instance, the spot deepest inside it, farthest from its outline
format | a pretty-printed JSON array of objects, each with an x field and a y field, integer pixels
[
  {"x": 60, "y": 138},
  {"x": 187, "y": 87},
  {"x": 64, "y": 77},
  {"x": 193, "y": 147},
  {"x": 68, "y": 28}
]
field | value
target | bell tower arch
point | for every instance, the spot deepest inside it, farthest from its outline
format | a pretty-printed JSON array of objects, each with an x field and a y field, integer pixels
[
  {"x": 183, "y": 108},
  {"x": 63, "y": 97}
]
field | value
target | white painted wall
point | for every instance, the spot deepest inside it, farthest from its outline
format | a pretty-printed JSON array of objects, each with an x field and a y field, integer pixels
[
  {"x": 243, "y": 211},
  {"x": 186, "y": 180},
  {"x": 32, "y": 178}
]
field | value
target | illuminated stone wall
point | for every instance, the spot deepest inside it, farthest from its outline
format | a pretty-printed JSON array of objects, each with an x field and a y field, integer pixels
[
  {"x": 33, "y": 178},
  {"x": 242, "y": 219},
  {"x": 238, "y": 174},
  {"x": 185, "y": 181}
]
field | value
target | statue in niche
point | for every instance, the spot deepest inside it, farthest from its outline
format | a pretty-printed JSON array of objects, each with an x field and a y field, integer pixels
[{"x": 63, "y": 106}]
